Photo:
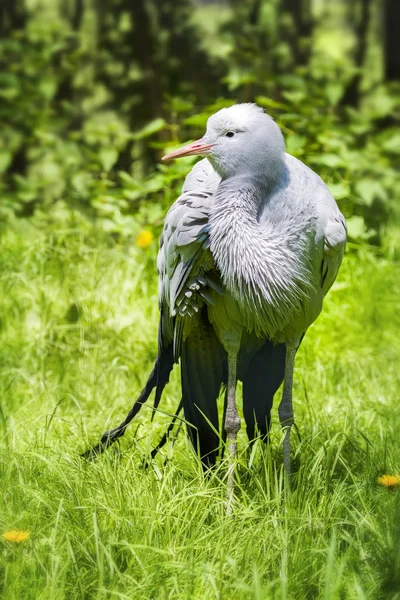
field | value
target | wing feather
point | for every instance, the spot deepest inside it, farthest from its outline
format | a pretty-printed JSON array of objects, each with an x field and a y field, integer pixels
[{"x": 184, "y": 258}]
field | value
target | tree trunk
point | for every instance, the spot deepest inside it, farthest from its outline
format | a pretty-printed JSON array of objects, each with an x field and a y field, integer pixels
[
  {"x": 76, "y": 19},
  {"x": 12, "y": 16},
  {"x": 352, "y": 92},
  {"x": 392, "y": 43},
  {"x": 300, "y": 31},
  {"x": 144, "y": 47},
  {"x": 65, "y": 91}
]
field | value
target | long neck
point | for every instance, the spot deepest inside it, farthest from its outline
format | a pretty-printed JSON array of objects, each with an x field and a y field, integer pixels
[
  {"x": 235, "y": 232},
  {"x": 239, "y": 199},
  {"x": 262, "y": 263}
]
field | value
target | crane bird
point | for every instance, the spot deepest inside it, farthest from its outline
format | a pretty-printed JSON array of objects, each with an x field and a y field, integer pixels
[{"x": 247, "y": 254}]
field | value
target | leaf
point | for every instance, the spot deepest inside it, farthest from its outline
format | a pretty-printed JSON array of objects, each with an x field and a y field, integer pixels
[
  {"x": 333, "y": 92},
  {"x": 81, "y": 182},
  {"x": 126, "y": 178},
  {"x": 237, "y": 78},
  {"x": 48, "y": 87},
  {"x": 108, "y": 157},
  {"x": 149, "y": 129},
  {"x": 328, "y": 160},
  {"x": 356, "y": 228},
  {"x": 392, "y": 144},
  {"x": 338, "y": 190},
  {"x": 197, "y": 120},
  {"x": 5, "y": 160},
  {"x": 295, "y": 96},
  {"x": 294, "y": 143},
  {"x": 369, "y": 189},
  {"x": 269, "y": 103}
]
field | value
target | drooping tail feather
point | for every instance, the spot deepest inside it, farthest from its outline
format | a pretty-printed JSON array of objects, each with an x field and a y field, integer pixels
[
  {"x": 164, "y": 438},
  {"x": 158, "y": 379},
  {"x": 203, "y": 362},
  {"x": 164, "y": 369}
]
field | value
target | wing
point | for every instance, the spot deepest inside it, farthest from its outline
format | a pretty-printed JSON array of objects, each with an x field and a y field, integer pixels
[
  {"x": 188, "y": 281},
  {"x": 334, "y": 240},
  {"x": 187, "y": 275}
]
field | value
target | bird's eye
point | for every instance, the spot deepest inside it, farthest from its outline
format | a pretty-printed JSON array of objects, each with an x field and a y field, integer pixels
[{"x": 230, "y": 133}]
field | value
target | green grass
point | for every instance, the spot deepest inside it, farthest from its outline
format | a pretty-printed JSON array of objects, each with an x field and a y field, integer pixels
[{"x": 77, "y": 340}]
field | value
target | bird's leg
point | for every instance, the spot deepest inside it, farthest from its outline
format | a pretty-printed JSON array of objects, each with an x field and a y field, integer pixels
[
  {"x": 286, "y": 406},
  {"x": 232, "y": 426}
]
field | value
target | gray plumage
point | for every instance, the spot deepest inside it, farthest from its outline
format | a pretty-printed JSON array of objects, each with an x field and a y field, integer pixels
[
  {"x": 247, "y": 254},
  {"x": 267, "y": 272}
]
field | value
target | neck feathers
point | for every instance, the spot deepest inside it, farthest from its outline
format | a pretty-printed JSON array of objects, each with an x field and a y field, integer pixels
[{"x": 263, "y": 264}]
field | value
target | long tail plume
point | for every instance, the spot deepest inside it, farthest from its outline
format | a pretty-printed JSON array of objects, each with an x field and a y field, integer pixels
[{"x": 165, "y": 437}]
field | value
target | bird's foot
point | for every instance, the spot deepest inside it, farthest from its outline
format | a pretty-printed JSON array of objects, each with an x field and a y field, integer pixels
[{"x": 107, "y": 439}]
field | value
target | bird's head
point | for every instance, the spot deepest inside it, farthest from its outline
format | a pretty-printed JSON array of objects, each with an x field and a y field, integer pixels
[{"x": 241, "y": 139}]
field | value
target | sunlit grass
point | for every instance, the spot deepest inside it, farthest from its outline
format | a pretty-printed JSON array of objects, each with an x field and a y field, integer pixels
[{"x": 78, "y": 338}]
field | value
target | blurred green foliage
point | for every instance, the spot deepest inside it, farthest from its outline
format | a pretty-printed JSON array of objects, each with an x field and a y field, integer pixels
[{"x": 92, "y": 93}]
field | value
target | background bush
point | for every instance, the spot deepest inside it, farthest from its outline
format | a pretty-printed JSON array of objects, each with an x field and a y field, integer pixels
[{"x": 92, "y": 93}]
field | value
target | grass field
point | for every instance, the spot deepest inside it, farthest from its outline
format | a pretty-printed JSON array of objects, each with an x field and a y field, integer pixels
[{"x": 77, "y": 340}]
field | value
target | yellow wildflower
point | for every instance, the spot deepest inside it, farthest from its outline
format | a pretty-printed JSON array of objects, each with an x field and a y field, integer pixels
[
  {"x": 389, "y": 481},
  {"x": 144, "y": 238},
  {"x": 14, "y": 535}
]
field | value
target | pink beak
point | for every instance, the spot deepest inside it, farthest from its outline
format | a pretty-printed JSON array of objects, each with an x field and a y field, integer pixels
[{"x": 197, "y": 147}]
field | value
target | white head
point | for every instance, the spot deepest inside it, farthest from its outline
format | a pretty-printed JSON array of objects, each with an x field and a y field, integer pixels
[{"x": 240, "y": 140}]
